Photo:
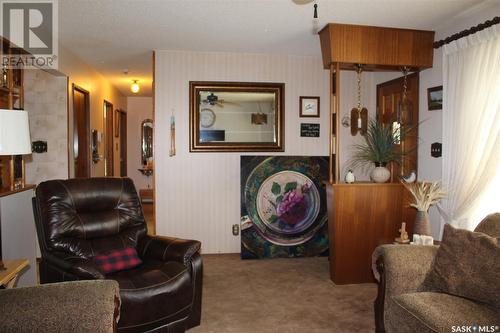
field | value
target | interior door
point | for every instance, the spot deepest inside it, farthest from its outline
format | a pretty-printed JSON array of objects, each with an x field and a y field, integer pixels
[
  {"x": 123, "y": 144},
  {"x": 108, "y": 137},
  {"x": 389, "y": 95},
  {"x": 81, "y": 132}
]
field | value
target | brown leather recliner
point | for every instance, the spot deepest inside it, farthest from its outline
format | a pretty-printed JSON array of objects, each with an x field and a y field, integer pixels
[{"x": 77, "y": 219}]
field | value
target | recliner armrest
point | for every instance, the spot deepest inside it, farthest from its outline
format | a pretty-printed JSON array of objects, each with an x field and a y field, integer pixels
[
  {"x": 168, "y": 248},
  {"x": 81, "y": 267}
]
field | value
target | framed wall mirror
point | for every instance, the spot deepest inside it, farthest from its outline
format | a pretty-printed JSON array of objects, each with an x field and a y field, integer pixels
[
  {"x": 146, "y": 142},
  {"x": 236, "y": 116}
]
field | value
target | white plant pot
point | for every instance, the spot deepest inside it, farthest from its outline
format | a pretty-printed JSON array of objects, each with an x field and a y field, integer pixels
[{"x": 380, "y": 174}]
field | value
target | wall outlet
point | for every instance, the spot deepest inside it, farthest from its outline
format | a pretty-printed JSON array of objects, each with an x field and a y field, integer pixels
[{"x": 236, "y": 229}]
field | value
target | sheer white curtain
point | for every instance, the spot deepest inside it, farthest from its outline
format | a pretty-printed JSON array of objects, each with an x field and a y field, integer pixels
[{"x": 471, "y": 127}]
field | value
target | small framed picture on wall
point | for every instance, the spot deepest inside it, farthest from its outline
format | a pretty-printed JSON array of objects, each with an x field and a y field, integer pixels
[
  {"x": 435, "y": 98},
  {"x": 309, "y": 106}
]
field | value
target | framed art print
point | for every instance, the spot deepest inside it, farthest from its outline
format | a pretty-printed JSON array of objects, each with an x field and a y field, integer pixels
[
  {"x": 309, "y": 106},
  {"x": 435, "y": 98}
]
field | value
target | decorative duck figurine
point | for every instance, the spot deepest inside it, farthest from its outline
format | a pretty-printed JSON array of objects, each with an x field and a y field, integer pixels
[
  {"x": 349, "y": 177},
  {"x": 410, "y": 178}
]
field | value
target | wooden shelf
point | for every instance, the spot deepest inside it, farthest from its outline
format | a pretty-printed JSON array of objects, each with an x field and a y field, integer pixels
[
  {"x": 6, "y": 191},
  {"x": 11, "y": 97},
  {"x": 10, "y": 273}
]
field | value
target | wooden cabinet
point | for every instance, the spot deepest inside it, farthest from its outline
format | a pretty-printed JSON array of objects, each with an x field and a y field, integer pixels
[
  {"x": 11, "y": 97},
  {"x": 344, "y": 46},
  {"x": 375, "y": 47},
  {"x": 362, "y": 216}
]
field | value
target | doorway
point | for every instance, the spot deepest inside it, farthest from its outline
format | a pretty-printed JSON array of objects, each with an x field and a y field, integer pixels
[
  {"x": 123, "y": 143},
  {"x": 109, "y": 133},
  {"x": 81, "y": 132},
  {"x": 389, "y": 95}
]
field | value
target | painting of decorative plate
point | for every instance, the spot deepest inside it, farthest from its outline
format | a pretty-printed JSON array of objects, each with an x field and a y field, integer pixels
[
  {"x": 284, "y": 205},
  {"x": 288, "y": 202}
]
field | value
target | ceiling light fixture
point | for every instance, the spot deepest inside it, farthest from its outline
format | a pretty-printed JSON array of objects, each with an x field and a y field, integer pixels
[{"x": 135, "y": 87}]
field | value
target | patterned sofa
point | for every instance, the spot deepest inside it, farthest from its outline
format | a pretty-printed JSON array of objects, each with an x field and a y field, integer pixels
[
  {"x": 410, "y": 301},
  {"x": 82, "y": 306}
]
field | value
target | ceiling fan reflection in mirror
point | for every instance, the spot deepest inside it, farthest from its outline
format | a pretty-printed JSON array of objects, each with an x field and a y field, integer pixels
[{"x": 213, "y": 100}]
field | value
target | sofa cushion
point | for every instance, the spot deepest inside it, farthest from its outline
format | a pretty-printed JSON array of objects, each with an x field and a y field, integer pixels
[
  {"x": 490, "y": 225},
  {"x": 152, "y": 293},
  {"x": 467, "y": 264},
  {"x": 437, "y": 312},
  {"x": 117, "y": 260}
]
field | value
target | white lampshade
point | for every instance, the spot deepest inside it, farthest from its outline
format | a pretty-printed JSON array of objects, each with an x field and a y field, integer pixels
[{"x": 14, "y": 133}]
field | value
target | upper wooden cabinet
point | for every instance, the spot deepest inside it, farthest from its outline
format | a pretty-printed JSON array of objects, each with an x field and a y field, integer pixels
[{"x": 375, "y": 47}]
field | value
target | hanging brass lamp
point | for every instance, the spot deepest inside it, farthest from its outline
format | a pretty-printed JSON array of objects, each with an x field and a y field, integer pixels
[{"x": 359, "y": 116}]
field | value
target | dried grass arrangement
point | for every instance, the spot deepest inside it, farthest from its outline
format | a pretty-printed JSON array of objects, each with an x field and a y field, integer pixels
[{"x": 425, "y": 194}]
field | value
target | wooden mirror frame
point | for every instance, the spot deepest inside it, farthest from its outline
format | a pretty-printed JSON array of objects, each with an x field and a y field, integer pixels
[{"x": 195, "y": 144}]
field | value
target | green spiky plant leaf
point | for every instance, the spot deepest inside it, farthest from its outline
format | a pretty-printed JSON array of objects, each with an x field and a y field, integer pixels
[{"x": 381, "y": 145}]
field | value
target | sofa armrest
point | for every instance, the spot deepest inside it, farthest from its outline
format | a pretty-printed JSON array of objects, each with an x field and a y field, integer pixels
[
  {"x": 168, "y": 249},
  {"x": 399, "y": 269},
  {"x": 404, "y": 266},
  {"x": 90, "y": 306},
  {"x": 81, "y": 267}
]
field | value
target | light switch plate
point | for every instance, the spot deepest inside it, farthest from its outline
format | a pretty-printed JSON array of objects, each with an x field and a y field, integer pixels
[{"x": 436, "y": 149}]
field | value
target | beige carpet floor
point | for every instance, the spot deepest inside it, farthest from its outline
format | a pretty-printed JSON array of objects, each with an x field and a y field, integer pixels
[{"x": 280, "y": 295}]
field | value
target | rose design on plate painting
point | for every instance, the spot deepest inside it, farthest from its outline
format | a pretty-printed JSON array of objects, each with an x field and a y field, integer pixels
[
  {"x": 288, "y": 202},
  {"x": 292, "y": 206}
]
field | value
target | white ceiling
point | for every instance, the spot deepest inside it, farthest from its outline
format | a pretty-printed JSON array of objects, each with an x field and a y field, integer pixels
[{"x": 113, "y": 35}]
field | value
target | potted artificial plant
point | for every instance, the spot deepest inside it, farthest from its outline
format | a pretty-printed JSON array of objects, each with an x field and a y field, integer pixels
[{"x": 381, "y": 146}]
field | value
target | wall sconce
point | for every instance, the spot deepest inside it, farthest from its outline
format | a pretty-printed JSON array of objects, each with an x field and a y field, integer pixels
[
  {"x": 135, "y": 87},
  {"x": 259, "y": 118}
]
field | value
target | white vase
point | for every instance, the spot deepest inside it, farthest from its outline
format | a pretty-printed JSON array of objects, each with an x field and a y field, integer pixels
[{"x": 380, "y": 174}]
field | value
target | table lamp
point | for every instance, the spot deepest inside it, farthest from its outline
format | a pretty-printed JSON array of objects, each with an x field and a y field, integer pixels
[
  {"x": 14, "y": 138},
  {"x": 14, "y": 132}
]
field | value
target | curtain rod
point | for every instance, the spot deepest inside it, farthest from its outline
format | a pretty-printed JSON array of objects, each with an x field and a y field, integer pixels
[{"x": 467, "y": 32}]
